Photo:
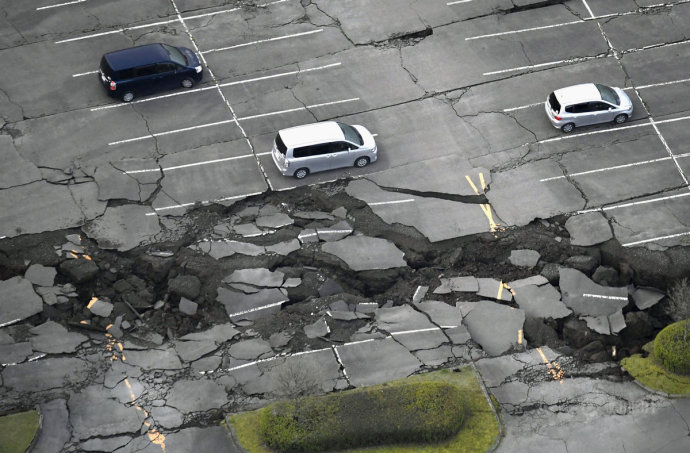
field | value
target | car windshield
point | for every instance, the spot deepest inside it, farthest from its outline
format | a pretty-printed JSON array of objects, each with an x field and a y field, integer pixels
[
  {"x": 608, "y": 94},
  {"x": 175, "y": 55},
  {"x": 351, "y": 134}
]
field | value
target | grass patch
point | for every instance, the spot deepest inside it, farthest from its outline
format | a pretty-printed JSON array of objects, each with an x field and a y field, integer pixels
[
  {"x": 17, "y": 431},
  {"x": 651, "y": 373},
  {"x": 477, "y": 433}
]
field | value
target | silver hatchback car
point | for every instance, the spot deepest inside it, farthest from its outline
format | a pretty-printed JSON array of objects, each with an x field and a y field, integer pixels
[
  {"x": 588, "y": 103},
  {"x": 298, "y": 151}
]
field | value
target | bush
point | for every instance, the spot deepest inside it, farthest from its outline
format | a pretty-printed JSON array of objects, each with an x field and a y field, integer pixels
[
  {"x": 672, "y": 348},
  {"x": 418, "y": 412},
  {"x": 17, "y": 431}
]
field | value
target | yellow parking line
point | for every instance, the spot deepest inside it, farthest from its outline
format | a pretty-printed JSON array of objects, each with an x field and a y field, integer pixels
[{"x": 557, "y": 375}]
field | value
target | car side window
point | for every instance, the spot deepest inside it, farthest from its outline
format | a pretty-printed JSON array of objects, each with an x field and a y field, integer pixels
[
  {"x": 598, "y": 106},
  {"x": 164, "y": 68},
  {"x": 578, "y": 108},
  {"x": 318, "y": 150},
  {"x": 126, "y": 74},
  {"x": 338, "y": 147},
  {"x": 144, "y": 71},
  {"x": 303, "y": 151}
]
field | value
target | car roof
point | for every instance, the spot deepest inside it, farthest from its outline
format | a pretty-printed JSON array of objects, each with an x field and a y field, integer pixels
[
  {"x": 578, "y": 93},
  {"x": 311, "y": 134},
  {"x": 137, "y": 56}
]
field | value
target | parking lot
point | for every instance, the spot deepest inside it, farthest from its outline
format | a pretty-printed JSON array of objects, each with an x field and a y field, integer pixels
[{"x": 471, "y": 91}]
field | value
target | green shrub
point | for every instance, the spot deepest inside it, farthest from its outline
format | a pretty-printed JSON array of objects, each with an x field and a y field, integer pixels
[
  {"x": 672, "y": 348},
  {"x": 417, "y": 412}
]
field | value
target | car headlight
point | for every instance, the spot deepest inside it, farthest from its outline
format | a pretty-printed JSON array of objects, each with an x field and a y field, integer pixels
[{"x": 198, "y": 69}]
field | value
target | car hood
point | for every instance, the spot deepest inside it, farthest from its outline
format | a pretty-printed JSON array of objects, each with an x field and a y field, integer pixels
[
  {"x": 625, "y": 100},
  {"x": 368, "y": 139},
  {"x": 191, "y": 56}
]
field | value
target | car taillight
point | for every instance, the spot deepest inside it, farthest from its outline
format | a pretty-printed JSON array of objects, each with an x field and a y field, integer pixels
[
  {"x": 113, "y": 86},
  {"x": 558, "y": 118}
]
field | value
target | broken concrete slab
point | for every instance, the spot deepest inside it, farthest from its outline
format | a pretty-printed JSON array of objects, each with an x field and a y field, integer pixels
[
  {"x": 312, "y": 215},
  {"x": 495, "y": 327},
  {"x": 190, "y": 351},
  {"x": 586, "y": 298},
  {"x": 381, "y": 254},
  {"x": 93, "y": 414},
  {"x": 645, "y": 298},
  {"x": 187, "y": 307},
  {"x": 541, "y": 302},
  {"x": 257, "y": 277},
  {"x": 222, "y": 249},
  {"x": 524, "y": 258},
  {"x": 13, "y": 353},
  {"x": 441, "y": 314},
  {"x": 336, "y": 232},
  {"x": 114, "y": 183},
  {"x": 45, "y": 374},
  {"x": 55, "y": 429},
  {"x": 253, "y": 349},
  {"x": 458, "y": 284},
  {"x": 196, "y": 395},
  {"x": 18, "y": 300},
  {"x": 274, "y": 221},
  {"x": 154, "y": 359},
  {"x": 537, "y": 280},
  {"x": 493, "y": 289},
  {"x": 429, "y": 338},
  {"x": 590, "y": 228},
  {"x": 434, "y": 357},
  {"x": 279, "y": 340},
  {"x": 41, "y": 275},
  {"x": 247, "y": 230},
  {"x": 128, "y": 390},
  {"x": 283, "y": 248},
  {"x": 52, "y": 338},
  {"x": 458, "y": 335},
  {"x": 372, "y": 362},
  {"x": 251, "y": 306},
  {"x": 107, "y": 444},
  {"x": 402, "y": 318},
  {"x": 124, "y": 227},
  {"x": 100, "y": 307},
  {"x": 167, "y": 417},
  {"x": 218, "y": 333},
  {"x": 317, "y": 329},
  {"x": 308, "y": 236}
]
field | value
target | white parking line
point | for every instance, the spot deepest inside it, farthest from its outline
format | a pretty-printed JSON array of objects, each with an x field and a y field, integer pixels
[
  {"x": 599, "y": 296},
  {"x": 512, "y": 109},
  {"x": 549, "y": 63},
  {"x": 261, "y": 41},
  {"x": 641, "y": 87},
  {"x": 258, "y": 308},
  {"x": 644, "y": 241},
  {"x": 60, "y": 4},
  {"x": 195, "y": 164},
  {"x": 523, "y": 30},
  {"x": 160, "y": 134},
  {"x": 588, "y": 8},
  {"x": 635, "y": 203},
  {"x": 615, "y": 167},
  {"x": 219, "y": 200},
  {"x": 227, "y": 84},
  {"x": 85, "y": 73},
  {"x": 154, "y": 24},
  {"x": 456, "y": 2},
  {"x": 379, "y": 203}
]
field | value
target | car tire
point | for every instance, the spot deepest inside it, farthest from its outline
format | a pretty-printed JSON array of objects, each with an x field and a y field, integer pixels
[
  {"x": 128, "y": 96},
  {"x": 568, "y": 128},
  {"x": 301, "y": 173},
  {"x": 361, "y": 162},
  {"x": 187, "y": 82},
  {"x": 620, "y": 119}
]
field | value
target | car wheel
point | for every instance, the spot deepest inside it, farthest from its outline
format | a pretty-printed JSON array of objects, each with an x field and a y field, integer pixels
[
  {"x": 568, "y": 128},
  {"x": 128, "y": 96},
  {"x": 620, "y": 119},
  {"x": 362, "y": 162},
  {"x": 187, "y": 83},
  {"x": 301, "y": 173}
]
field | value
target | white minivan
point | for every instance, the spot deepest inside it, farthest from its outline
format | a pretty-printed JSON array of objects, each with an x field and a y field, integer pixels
[{"x": 298, "y": 151}]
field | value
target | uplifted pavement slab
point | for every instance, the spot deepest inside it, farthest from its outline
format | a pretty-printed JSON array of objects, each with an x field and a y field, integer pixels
[
  {"x": 402, "y": 318},
  {"x": 253, "y": 349},
  {"x": 541, "y": 302},
  {"x": 441, "y": 314},
  {"x": 215, "y": 439},
  {"x": 435, "y": 357},
  {"x": 256, "y": 277},
  {"x": 645, "y": 298},
  {"x": 317, "y": 329},
  {"x": 442, "y": 175},
  {"x": 590, "y": 228},
  {"x": 587, "y": 298},
  {"x": 14, "y": 353},
  {"x": 372, "y": 362},
  {"x": 55, "y": 430},
  {"x": 458, "y": 284},
  {"x": 430, "y": 338},
  {"x": 93, "y": 413},
  {"x": 167, "y": 417},
  {"x": 524, "y": 258},
  {"x": 18, "y": 300},
  {"x": 52, "y": 338},
  {"x": 196, "y": 395},
  {"x": 363, "y": 253},
  {"x": 41, "y": 275},
  {"x": 493, "y": 289},
  {"x": 495, "y": 327},
  {"x": 275, "y": 221},
  {"x": 437, "y": 219},
  {"x": 251, "y": 306},
  {"x": 538, "y": 280},
  {"x": 154, "y": 359},
  {"x": 190, "y": 351},
  {"x": 38, "y": 207},
  {"x": 218, "y": 333},
  {"x": 124, "y": 227},
  {"x": 537, "y": 199},
  {"x": 222, "y": 249},
  {"x": 45, "y": 374},
  {"x": 115, "y": 181}
]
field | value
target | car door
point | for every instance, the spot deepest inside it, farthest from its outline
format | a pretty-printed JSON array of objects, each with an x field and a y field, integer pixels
[
  {"x": 144, "y": 82},
  {"x": 312, "y": 157},
  {"x": 600, "y": 112},
  {"x": 578, "y": 114},
  {"x": 339, "y": 155},
  {"x": 166, "y": 77}
]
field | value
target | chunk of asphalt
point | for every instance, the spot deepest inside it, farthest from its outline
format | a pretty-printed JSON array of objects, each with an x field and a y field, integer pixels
[
  {"x": 586, "y": 298},
  {"x": 18, "y": 300},
  {"x": 645, "y": 298},
  {"x": 541, "y": 302},
  {"x": 524, "y": 258},
  {"x": 40, "y": 275},
  {"x": 457, "y": 284},
  {"x": 590, "y": 228},
  {"x": 495, "y": 327},
  {"x": 256, "y": 277},
  {"x": 187, "y": 307},
  {"x": 318, "y": 329},
  {"x": 380, "y": 253},
  {"x": 493, "y": 289},
  {"x": 100, "y": 308}
]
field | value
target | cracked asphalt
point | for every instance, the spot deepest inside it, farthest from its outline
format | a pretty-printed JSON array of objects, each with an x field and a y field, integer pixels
[{"x": 138, "y": 214}]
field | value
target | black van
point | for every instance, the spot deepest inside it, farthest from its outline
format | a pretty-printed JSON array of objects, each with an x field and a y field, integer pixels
[{"x": 136, "y": 71}]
